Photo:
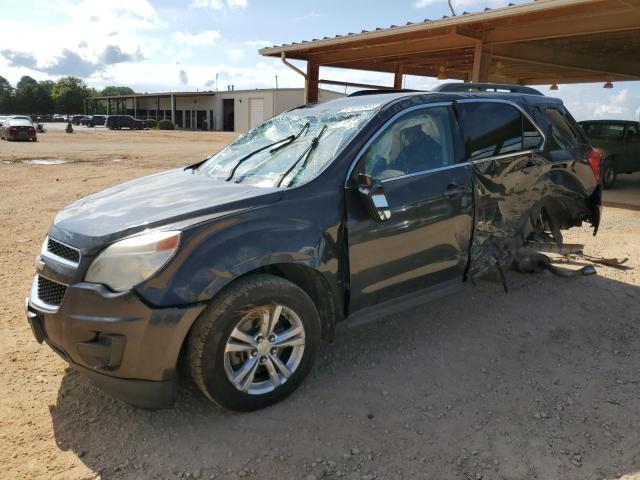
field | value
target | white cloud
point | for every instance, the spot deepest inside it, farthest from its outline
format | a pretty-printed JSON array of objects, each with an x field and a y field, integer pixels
[
  {"x": 213, "y": 4},
  {"x": 259, "y": 43},
  {"x": 235, "y": 54},
  {"x": 218, "y": 4},
  {"x": 621, "y": 98},
  {"x": 197, "y": 40},
  {"x": 183, "y": 54},
  {"x": 126, "y": 27}
]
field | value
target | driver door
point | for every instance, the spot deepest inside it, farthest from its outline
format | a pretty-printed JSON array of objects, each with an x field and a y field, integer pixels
[{"x": 422, "y": 237}]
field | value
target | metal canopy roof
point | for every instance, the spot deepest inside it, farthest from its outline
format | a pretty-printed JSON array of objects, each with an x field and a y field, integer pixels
[{"x": 564, "y": 41}]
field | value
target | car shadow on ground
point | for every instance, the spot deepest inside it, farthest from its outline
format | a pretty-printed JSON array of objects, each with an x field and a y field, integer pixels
[
  {"x": 540, "y": 383},
  {"x": 625, "y": 192}
]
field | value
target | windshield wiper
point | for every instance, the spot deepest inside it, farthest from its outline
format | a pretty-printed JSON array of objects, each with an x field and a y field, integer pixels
[
  {"x": 285, "y": 141},
  {"x": 305, "y": 155}
]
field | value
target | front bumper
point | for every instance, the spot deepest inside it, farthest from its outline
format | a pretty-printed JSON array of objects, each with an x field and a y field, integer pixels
[{"x": 126, "y": 347}]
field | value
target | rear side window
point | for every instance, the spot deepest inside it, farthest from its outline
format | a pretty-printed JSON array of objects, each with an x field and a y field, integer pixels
[
  {"x": 492, "y": 128},
  {"x": 565, "y": 131},
  {"x": 603, "y": 130}
]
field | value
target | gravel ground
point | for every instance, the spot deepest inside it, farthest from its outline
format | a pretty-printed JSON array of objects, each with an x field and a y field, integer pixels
[{"x": 542, "y": 383}]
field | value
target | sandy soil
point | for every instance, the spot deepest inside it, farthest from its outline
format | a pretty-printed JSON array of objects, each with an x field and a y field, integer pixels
[{"x": 542, "y": 383}]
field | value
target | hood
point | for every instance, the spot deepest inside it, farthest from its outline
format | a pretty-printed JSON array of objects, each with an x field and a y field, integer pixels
[{"x": 171, "y": 197}]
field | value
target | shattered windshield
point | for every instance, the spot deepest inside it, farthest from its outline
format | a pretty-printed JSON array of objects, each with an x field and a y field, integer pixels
[{"x": 281, "y": 151}]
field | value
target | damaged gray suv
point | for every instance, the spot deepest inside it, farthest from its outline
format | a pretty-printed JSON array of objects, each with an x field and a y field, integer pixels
[{"x": 236, "y": 267}]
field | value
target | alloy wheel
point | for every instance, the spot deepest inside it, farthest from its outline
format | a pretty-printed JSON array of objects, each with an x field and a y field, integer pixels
[{"x": 264, "y": 349}]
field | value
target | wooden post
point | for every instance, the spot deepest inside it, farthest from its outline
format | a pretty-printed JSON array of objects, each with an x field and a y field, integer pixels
[
  {"x": 481, "y": 63},
  {"x": 157, "y": 107},
  {"x": 399, "y": 77},
  {"x": 311, "y": 92}
]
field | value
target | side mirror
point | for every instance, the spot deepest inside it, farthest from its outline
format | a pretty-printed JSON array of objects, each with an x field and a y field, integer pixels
[{"x": 375, "y": 200}]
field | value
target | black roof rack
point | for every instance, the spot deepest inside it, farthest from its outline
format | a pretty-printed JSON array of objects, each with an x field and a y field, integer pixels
[
  {"x": 362, "y": 93},
  {"x": 486, "y": 87}
]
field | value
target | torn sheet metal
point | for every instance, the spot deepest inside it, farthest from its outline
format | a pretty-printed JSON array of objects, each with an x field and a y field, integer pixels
[{"x": 520, "y": 198}]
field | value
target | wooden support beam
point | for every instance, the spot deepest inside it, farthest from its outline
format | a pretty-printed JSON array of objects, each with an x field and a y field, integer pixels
[
  {"x": 353, "y": 84},
  {"x": 408, "y": 69},
  {"x": 561, "y": 26},
  {"x": 311, "y": 89},
  {"x": 430, "y": 44},
  {"x": 565, "y": 59},
  {"x": 481, "y": 63},
  {"x": 398, "y": 77}
]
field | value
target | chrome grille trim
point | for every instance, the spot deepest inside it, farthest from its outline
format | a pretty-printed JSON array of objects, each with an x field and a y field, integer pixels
[
  {"x": 60, "y": 252},
  {"x": 37, "y": 302}
]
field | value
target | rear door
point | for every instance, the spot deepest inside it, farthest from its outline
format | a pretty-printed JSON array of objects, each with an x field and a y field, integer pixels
[
  {"x": 503, "y": 146},
  {"x": 417, "y": 159},
  {"x": 631, "y": 160}
]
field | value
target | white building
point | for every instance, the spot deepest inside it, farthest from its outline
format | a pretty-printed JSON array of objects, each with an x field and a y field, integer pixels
[{"x": 231, "y": 110}]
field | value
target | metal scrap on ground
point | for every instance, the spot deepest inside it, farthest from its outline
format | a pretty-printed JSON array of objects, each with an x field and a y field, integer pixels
[{"x": 574, "y": 252}]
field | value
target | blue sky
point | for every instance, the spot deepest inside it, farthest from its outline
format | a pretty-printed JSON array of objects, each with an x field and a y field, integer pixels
[{"x": 182, "y": 45}]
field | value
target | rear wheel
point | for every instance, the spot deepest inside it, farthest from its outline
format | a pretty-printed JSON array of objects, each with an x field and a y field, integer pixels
[
  {"x": 255, "y": 343},
  {"x": 608, "y": 176}
]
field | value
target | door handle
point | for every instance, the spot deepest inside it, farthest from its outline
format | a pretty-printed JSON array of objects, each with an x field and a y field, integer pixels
[{"x": 454, "y": 191}]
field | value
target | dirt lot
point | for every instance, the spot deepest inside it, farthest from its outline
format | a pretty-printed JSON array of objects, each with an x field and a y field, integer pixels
[{"x": 542, "y": 383}]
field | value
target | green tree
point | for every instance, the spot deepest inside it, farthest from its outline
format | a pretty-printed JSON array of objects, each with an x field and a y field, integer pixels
[
  {"x": 44, "y": 97},
  {"x": 25, "y": 95},
  {"x": 69, "y": 94},
  {"x": 6, "y": 96},
  {"x": 108, "y": 91}
]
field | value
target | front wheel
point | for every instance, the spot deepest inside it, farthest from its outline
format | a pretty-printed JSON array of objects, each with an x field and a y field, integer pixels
[
  {"x": 608, "y": 176},
  {"x": 255, "y": 343}
]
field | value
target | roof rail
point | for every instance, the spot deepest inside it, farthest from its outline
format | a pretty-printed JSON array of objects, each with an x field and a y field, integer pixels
[
  {"x": 362, "y": 93},
  {"x": 486, "y": 87}
]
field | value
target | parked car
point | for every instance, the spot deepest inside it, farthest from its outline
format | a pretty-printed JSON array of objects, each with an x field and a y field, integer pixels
[
  {"x": 96, "y": 120},
  {"x": 116, "y": 122},
  {"x": 243, "y": 262},
  {"x": 18, "y": 128},
  {"x": 620, "y": 143},
  {"x": 5, "y": 118}
]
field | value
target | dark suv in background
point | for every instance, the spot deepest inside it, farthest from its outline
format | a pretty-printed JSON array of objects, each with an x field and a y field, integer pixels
[
  {"x": 240, "y": 264},
  {"x": 619, "y": 142},
  {"x": 96, "y": 120},
  {"x": 116, "y": 122}
]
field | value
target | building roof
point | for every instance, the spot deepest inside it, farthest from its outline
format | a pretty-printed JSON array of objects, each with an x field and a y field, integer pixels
[
  {"x": 191, "y": 94},
  {"x": 541, "y": 42}
]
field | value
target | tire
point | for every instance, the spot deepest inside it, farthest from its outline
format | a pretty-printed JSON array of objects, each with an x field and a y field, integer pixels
[
  {"x": 609, "y": 176},
  {"x": 212, "y": 358}
]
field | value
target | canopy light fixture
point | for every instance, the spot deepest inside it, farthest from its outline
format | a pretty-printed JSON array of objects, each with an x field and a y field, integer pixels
[
  {"x": 609, "y": 83},
  {"x": 554, "y": 86}
]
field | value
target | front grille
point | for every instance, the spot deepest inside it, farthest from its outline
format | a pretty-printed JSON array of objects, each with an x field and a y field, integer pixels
[
  {"x": 50, "y": 292},
  {"x": 63, "y": 251}
]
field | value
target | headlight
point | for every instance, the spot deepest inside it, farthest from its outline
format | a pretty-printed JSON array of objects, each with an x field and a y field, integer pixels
[{"x": 129, "y": 262}]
